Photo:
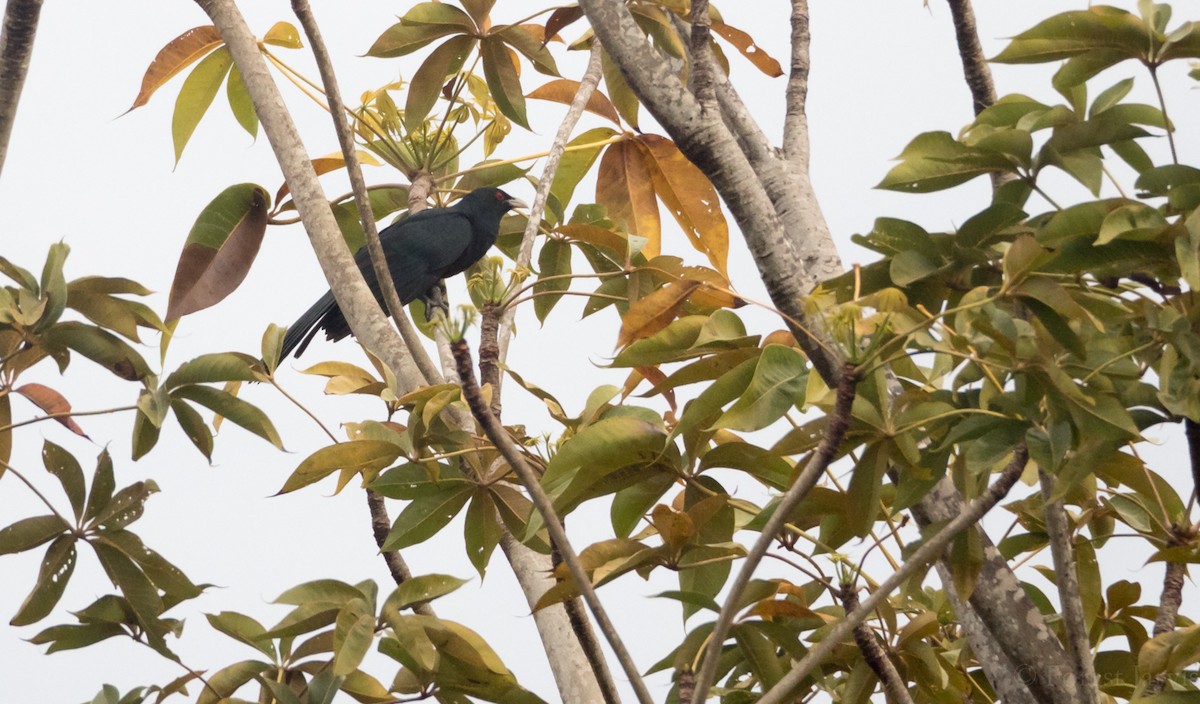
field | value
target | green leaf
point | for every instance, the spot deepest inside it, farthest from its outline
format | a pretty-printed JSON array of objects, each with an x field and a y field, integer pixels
[
  {"x": 196, "y": 95},
  {"x": 220, "y": 248},
  {"x": 212, "y": 368},
  {"x": 1073, "y": 33},
  {"x": 778, "y": 384},
  {"x": 103, "y": 484},
  {"x": 137, "y": 589},
  {"x": 421, "y": 590},
  {"x": 500, "y": 72},
  {"x": 935, "y": 161},
  {"x": 553, "y": 261},
  {"x": 227, "y": 405},
  {"x": 426, "y": 84},
  {"x": 1170, "y": 652},
  {"x": 242, "y": 628},
  {"x": 758, "y": 649},
  {"x": 166, "y": 576},
  {"x": 66, "y": 469},
  {"x": 352, "y": 638},
  {"x": 596, "y": 453},
  {"x": 56, "y": 569},
  {"x": 330, "y": 591},
  {"x": 481, "y": 531},
  {"x": 28, "y": 533},
  {"x": 425, "y": 516},
  {"x": 239, "y": 102},
  {"x": 221, "y": 685},
  {"x": 101, "y": 347},
  {"x": 1187, "y": 249},
  {"x": 54, "y": 285},
  {"x": 70, "y": 637},
  {"x": 194, "y": 427},
  {"x": 356, "y": 456}
]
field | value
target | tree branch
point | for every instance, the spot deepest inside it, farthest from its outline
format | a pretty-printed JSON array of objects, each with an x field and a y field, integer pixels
[
  {"x": 701, "y": 76},
  {"x": 350, "y": 291},
  {"x": 381, "y": 523},
  {"x": 839, "y": 420},
  {"x": 975, "y": 67},
  {"x": 1168, "y": 610},
  {"x": 795, "y": 121},
  {"x": 16, "y": 46},
  {"x": 873, "y": 652},
  {"x": 1067, "y": 580},
  {"x": 512, "y": 454},
  {"x": 930, "y": 550},
  {"x": 359, "y": 187}
]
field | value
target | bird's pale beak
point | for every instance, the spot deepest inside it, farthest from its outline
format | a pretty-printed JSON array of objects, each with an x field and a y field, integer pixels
[{"x": 517, "y": 203}]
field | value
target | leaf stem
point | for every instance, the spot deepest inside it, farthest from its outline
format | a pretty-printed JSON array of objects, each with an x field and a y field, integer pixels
[
  {"x": 1162, "y": 105},
  {"x": 13, "y": 470},
  {"x": 66, "y": 414}
]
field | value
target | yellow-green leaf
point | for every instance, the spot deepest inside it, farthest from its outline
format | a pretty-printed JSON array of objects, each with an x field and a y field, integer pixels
[
  {"x": 197, "y": 94},
  {"x": 367, "y": 456},
  {"x": 501, "y": 71},
  {"x": 652, "y": 313},
  {"x": 239, "y": 102},
  {"x": 283, "y": 34},
  {"x": 426, "y": 84}
]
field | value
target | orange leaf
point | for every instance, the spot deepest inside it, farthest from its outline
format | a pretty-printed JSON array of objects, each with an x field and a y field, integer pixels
[
  {"x": 327, "y": 163},
  {"x": 560, "y": 18},
  {"x": 52, "y": 403},
  {"x": 773, "y": 609},
  {"x": 178, "y": 54},
  {"x": 690, "y": 197},
  {"x": 715, "y": 289},
  {"x": 654, "y": 312},
  {"x": 563, "y": 90},
  {"x": 598, "y": 236},
  {"x": 752, "y": 51},
  {"x": 625, "y": 188}
]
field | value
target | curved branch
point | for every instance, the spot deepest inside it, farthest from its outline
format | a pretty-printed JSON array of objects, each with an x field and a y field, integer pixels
[
  {"x": 512, "y": 454},
  {"x": 929, "y": 551},
  {"x": 839, "y": 420}
]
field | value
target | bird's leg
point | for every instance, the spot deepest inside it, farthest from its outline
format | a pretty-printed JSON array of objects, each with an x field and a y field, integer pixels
[{"x": 436, "y": 299}]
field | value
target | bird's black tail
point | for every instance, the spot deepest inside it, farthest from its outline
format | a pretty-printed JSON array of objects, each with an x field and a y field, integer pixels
[{"x": 306, "y": 326}]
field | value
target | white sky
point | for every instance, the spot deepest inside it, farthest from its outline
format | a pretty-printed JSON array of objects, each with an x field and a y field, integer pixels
[{"x": 883, "y": 70}]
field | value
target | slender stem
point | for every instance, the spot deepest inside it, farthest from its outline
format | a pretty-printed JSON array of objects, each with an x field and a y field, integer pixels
[
  {"x": 1162, "y": 105},
  {"x": 59, "y": 416},
  {"x": 305, "y": 410},
  {"x": 530, "y": 157},
  {"x": 8, "y": 468},
  {"x": 930, "y": 550},
  {"x": 821, "y": 458},
  {"x": 512, "y": 454}
]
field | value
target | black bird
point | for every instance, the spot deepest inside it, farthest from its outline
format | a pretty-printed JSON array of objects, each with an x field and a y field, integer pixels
[{"x": 420, "y": 250}]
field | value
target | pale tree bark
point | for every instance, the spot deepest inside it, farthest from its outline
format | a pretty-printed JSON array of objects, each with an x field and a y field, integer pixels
[
  {"x": 366, "y": 319},
  {"x": 772, "y": 201},
  {"x": 16, "y": 47}
]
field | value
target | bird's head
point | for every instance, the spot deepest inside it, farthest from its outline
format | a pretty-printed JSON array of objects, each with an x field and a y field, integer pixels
[{"x": 491, "y": 199}]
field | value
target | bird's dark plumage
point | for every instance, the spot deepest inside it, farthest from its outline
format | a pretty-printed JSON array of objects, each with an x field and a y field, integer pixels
[{"x": 420, "y": 250}]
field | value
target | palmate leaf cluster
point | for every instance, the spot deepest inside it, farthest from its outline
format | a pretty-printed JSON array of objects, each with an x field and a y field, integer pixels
[{"x": 1071, "y": 328}]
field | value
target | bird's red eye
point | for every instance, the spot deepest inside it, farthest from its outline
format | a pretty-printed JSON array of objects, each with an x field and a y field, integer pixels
[{"x": 501, "y": 196}]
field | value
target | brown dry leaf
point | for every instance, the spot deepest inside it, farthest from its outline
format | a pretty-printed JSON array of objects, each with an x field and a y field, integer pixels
[
  {"x": 654, "y": 312},
  {"x": 52, "y": 403},
  {"x": 625, "y": 187},
  {"x": 563, "y": 90},
  {"x": 752, "y": 51},
  {"x": 690, "y": 197},
  {"x": 178, "y": 54}
]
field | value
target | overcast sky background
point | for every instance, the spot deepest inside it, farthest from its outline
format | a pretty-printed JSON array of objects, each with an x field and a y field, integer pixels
[{"x": 79, "y": 172}]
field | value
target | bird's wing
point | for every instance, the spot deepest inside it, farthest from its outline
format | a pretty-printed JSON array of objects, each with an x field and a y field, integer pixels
[{"x": 421, "y": 251}]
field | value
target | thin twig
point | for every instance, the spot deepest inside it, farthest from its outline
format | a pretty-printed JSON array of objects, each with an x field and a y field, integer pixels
[
  {"x": 1066, "y": 578},
  {"x": 930, "y": 550},
  {"x": 839, "y": 420},
  {"x": 512, "y": 454},
  {"x": 359, "y": 187},
  {"x": 65, "y": 414},
  {"x": 6, "y": 468}
]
